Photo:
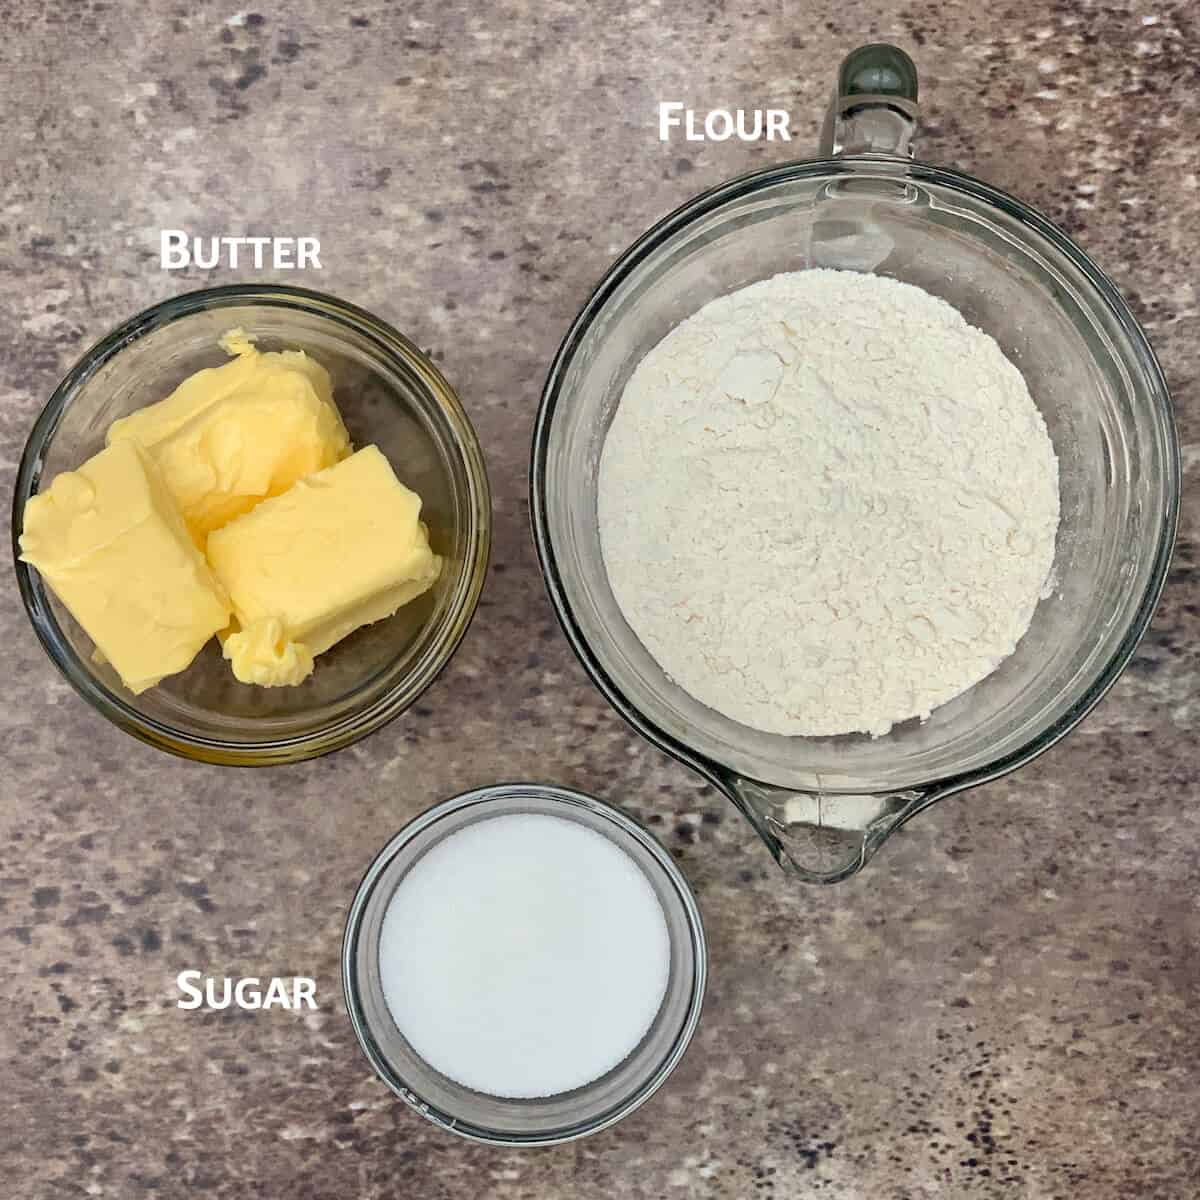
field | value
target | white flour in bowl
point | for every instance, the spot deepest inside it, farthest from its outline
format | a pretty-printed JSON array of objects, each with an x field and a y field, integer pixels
[{"x": 827, "y": 504}]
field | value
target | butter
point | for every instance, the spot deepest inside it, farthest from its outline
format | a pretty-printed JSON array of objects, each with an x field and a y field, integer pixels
[
  {"x": 233, "y": 435},
  {"x": 248, "y": 464},
  {"x": 263, "y": 654},
  {"x": 111, "y": 544},
  {"x": 340, "y": 549}
]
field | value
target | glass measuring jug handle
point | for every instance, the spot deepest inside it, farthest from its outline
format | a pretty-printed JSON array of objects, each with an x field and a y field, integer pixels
[{"x": 874, "y": 106}]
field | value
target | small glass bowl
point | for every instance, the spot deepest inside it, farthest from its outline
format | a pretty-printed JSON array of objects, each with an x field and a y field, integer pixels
[
  {"x": 390, "y": 394},
  {"x": 551, "y": 1119}
]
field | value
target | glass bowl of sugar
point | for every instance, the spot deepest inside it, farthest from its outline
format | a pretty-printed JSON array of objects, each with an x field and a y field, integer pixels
[{"x": 524, "y": 965}]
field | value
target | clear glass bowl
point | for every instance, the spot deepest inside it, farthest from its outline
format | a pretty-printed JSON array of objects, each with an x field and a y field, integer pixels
[
  {"x": 823, "y": 805},
  {"x": 389, "y": 393},
  {"x": 569, "y": 1115}
]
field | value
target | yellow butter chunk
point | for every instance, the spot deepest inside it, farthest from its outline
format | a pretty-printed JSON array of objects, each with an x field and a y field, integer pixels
[
  {"x": 111, "y": 544},
  {"x": 340, "y": 549},
  {"x": 232, "y": 435},
  {"x": 262, "y": 653}
]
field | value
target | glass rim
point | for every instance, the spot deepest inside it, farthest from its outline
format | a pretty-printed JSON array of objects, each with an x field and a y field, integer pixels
[
  {"x": 489, "y": 796},
  {"x": 460, "y": 609},
  {"x": 891, "y": 168}
]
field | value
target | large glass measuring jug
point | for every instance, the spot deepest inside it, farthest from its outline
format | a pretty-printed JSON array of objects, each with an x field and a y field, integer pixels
[{"x": 825, "y": 805}]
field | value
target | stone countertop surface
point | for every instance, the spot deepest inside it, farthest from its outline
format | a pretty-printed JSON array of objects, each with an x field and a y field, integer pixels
[{"x": 1003, "y": 1004}]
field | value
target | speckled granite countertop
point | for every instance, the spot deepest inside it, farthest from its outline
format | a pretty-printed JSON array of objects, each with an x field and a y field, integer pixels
[{"x": 1003, "y": 1004}]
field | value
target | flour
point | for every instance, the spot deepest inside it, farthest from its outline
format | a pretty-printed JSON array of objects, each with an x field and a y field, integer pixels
[{"x": 827, "y": 504}]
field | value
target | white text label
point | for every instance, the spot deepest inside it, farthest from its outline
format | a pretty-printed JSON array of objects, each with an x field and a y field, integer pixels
[
  {"x": 721, "y": 124},
  {"x": 291, "y": 992},
  {"x": 177, "y": 250}
]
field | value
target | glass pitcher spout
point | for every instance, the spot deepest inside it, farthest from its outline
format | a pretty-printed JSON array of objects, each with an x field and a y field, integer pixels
[{"x": 821, "y": 837}]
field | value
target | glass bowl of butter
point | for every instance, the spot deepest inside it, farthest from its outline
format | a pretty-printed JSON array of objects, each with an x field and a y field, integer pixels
[{"x": 252, "y": 524}]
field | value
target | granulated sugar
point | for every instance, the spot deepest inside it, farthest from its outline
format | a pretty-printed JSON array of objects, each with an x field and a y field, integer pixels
[
  {"x": 827, "y": 504},
  {"x": 525, "y": 955}
]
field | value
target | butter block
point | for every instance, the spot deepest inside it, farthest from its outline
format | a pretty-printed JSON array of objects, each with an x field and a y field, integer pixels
[
  {"x": 231, "y": 436},
  {"x": 340, "y": 549},
  {"x": 111, "y": 544}
]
